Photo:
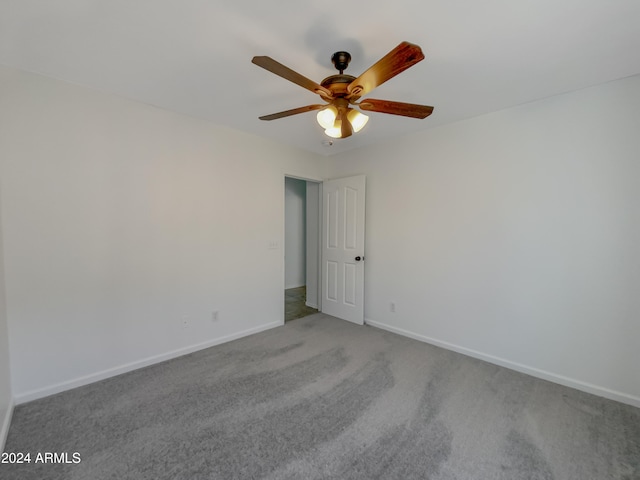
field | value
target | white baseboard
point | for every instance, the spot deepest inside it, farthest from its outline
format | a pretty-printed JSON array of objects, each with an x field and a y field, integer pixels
[
  {"x": 6, "y": 423},
  {"x": 145, "y": 362},
  {"x": 534, "y": 372},
  {"x": 312, "y": 305}
]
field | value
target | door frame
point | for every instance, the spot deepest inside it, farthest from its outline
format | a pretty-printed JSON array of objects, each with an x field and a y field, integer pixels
[{"x": 319, "y": 181}]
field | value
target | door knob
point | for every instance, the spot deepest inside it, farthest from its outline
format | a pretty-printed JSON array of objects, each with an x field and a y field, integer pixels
[{"x": 358, "y": 259}]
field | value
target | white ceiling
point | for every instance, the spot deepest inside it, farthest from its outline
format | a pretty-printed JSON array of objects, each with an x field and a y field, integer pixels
[{"x": 194, "y": 56}]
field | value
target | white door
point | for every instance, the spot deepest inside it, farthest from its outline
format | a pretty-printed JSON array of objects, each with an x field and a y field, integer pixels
[{"x": 343, "y": 248}]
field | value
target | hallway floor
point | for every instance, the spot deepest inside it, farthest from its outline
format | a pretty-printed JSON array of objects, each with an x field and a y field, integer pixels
[{"x": 294, "y": 304}]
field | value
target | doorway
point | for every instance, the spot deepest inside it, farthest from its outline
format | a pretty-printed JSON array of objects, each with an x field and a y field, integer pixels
[{"x": 301, "y": 248}]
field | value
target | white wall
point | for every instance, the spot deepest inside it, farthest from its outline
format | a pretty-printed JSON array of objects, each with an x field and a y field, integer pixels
[
  {"x": 6, "y": 397},
  {"x": 295, "y": 207},
  {"x": 515, "y": 237},
  {"x": 119, "y": 220}
]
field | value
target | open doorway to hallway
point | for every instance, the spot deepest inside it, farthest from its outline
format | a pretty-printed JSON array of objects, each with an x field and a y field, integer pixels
[
  {"x": 295, "y": 304},
  {"x": 301, "y": 248}
]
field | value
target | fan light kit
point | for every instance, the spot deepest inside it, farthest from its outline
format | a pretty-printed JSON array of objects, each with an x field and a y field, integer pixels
[
  {"x": 328, "y": 119},
  {"x": 342, "y": 91}
]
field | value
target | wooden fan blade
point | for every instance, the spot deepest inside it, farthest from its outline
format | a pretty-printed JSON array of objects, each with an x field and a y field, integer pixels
[
  {"x": 293, "y": 111},
  {"x": 395, "y": 108},
  {"x": 271, "y": 65},
  {"x": 396, "y": 61}
]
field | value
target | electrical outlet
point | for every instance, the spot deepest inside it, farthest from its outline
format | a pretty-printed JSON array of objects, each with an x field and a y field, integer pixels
[
  {"x": 214, "y": 316},
  {"x": 185, "y": 321},
  {"x": 392, "y": 307}
]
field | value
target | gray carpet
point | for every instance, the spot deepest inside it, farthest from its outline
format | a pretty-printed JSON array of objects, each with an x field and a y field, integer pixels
[{"x": 320, "y": 398}]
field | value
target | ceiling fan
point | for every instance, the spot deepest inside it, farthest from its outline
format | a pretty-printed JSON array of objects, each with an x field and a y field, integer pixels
[{"x": 343, "y": 91}]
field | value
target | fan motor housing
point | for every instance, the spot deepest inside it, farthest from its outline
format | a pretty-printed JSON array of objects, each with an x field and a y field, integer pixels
[{"x": 338, "y": 84}]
